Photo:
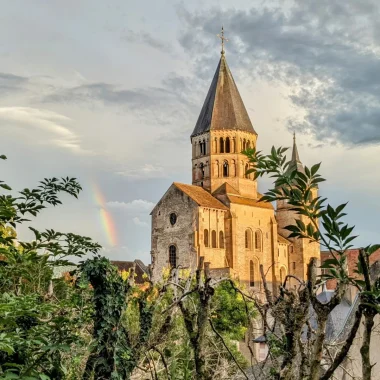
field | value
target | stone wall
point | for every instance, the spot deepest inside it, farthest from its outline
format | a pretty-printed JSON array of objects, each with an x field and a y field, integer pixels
[
  {"x": 253, "y": 219},
  {"x": 212, "y": 220},
  {"x": 282, "y": 260},
  {"x": 182, "y": 234}
]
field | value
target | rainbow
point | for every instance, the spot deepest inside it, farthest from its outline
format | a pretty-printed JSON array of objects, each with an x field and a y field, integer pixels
[{"x": 107, "y": 222}]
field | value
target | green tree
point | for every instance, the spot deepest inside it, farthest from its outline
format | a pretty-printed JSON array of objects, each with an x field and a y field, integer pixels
[
  {"x": 230, "y": 311},
  {"x": 299, "y": 358},
  {"x": 37, "y": 327}
]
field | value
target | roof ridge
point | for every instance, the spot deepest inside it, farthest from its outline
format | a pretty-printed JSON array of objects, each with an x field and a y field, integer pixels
[
  {"x": 224, "y": 186},
  {"x": 200, "y": 196}
]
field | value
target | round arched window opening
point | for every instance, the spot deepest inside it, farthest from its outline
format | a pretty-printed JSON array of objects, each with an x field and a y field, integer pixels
[{"x": 173, "y": 218}]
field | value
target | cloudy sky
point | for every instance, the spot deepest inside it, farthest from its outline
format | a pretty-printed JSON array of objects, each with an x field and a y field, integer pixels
[{"x": 109, "y": 92}]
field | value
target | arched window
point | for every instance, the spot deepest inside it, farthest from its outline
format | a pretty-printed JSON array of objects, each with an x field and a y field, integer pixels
[
  {"x": 251, "y": 274},
  {"x": 225, "y": 169},
  {"x": 232, "y": 169},
  {"x": 228, "y": 145},
  {"x": 173, "y": 256},
  {"x": 248, "y": 144},
  {"x": 248, "y": 239},
  {"x": 258, "y": 240},
  {"x": 282, "y": 275},
  {"x": 213, "y": 239},
  {"x": 216, "y": 168},
  {"x": 244, "y": 144},
  {"x": 204, "y": 147},
  {"x": 221, "y": 239},
  {"x": 221, "y": 143},
  {"x": 205, "y": 237},
  {"x": 202, "y": 168}
]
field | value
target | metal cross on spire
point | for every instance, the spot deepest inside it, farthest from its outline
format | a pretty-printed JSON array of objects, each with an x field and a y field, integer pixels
[{"x": 221, "y": 36}]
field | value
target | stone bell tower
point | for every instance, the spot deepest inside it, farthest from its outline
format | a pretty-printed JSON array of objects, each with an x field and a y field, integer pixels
[
  {"x": 302, "y": 250},
  {"x": 222, "y": 132}
]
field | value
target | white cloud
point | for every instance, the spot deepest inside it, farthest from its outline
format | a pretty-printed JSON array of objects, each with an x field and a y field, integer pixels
[
  {"x": 137, "y": 205},
  {"x": 138, "y": 208},
  {"x": 148, "y": 171},
  {"x": 139, "y": 222},
  {"x": 34, "y": 120}
]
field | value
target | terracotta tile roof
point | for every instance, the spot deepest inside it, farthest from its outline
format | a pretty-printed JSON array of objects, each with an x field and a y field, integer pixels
[
  {"x": 223, "y": 107},
  {"x": 282, "y": 240},
  {"x": 249, "y": 202},
  {"x": 352, "y": 259},
  {"x": 200, "y": 196}
]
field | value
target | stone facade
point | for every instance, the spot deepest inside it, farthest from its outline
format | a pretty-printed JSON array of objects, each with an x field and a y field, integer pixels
[
  {"x": 181, "y": 235},
  {"x": 219, "y": 216}
]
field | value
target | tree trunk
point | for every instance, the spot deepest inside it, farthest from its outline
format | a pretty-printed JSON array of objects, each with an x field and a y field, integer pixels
[
  {"x": 200, "y": 363},
  {"x": 365, "y": 349},
  {"x": 315, "y": 367},
  {"x": 198, "y": 351}
]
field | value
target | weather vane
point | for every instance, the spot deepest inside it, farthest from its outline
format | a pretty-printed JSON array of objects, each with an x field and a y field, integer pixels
[{"x": 221, "y": 36}]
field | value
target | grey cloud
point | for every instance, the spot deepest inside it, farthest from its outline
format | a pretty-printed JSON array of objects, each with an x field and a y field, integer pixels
[
  {"x": 329, "y": 52},
  {"x": 163, "y": 105},
  {"x": 10, "y": 83},
  {"x": 103, "y": 92},
  {"x": 147, "y": 39}
]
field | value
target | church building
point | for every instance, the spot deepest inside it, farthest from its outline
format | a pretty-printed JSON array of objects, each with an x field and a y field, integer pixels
[{"x": 219, "y": 216}]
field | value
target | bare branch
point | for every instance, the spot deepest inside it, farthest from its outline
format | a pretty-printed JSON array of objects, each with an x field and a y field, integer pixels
[{"x": 229, "y": 351}]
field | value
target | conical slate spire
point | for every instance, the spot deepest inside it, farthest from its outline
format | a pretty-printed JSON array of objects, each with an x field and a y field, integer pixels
[
  {"x": 223, "y": 107},
  {"x": 295, "y": 156},
  {"x": 295, "y": 162}
]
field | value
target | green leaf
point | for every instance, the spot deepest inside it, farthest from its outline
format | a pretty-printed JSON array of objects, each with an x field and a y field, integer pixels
[
  {"x": 373, "y": 248},
  {"x": 5, "y": 186},
  {"x": 310, "y": 229},
  {"x": 317, "y": 180},
  {"x": 10, "y": 375},
  {"x": 314, "y": 169},
  {"x": 301, "y": 224},
  {"x": 349, "y": 240},
  {"x": 329, "y": 263},
  {"x": 341, "y": 207}
]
